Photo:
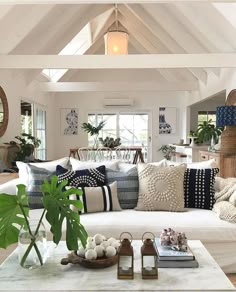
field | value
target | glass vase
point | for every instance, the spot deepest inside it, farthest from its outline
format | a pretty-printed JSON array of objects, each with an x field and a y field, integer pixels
[{"x": 32, "y": 245}]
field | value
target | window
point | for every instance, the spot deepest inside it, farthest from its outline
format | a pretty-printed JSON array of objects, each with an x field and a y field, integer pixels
[
  {"x": 132, "y": 128},
  {"x": 40, "y": 129},
  {"x": 206, "y": 116},
  {"x": 33, "y": 121}
]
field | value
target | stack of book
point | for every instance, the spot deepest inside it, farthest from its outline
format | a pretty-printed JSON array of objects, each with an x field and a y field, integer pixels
[{"x": 170, "y": 258}]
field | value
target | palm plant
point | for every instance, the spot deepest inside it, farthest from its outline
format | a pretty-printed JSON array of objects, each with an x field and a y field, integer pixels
[
  {"x": 207, "y": 131},
  {"x": 92, "y": 130}
]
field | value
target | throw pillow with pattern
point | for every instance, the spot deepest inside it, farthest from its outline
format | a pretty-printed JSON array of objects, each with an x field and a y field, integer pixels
[
  {"x": 161, "y": 188},
  {"x": 91, "y": 177},
  {"x": 199, "y": 188}
]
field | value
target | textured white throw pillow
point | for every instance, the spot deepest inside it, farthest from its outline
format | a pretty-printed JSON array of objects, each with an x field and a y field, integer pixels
[
  {"x": 49, "y": 165},
  {"x": 78, "y": 164},
  {"x": 161, "y": 188}
]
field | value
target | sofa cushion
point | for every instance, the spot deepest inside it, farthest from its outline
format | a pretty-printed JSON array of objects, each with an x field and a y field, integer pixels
[
  {"x": 98, "y": 199},
  {"x": 127, "y": 186},
  {"x": 49, "y": 165},
  {"x": 78, "y": 165},
  {"x": 199, "y": 188},
  {"x": 36, "y": 177},
  {"x": 198, "y": 165},
  {"x": 91, "y": 177},
  {"x": 161, "y": 188}
]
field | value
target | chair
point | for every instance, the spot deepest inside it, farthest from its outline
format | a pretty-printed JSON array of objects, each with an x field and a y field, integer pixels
[
  {"x": 124, "y": 153},
  {"x": 87, "y": 154},
  {"x": 103, "y": 153}
]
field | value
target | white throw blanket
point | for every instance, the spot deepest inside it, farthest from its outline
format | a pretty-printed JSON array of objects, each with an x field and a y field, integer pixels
[{"x": 225, "y": 206}]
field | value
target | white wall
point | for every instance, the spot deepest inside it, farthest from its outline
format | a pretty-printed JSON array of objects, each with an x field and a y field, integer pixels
[
  {"x": 16, "y": 89},
  {"x": 89, "y": 102}
]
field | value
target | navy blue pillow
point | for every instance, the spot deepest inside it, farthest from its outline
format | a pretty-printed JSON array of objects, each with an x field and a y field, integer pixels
[
  {"x": 199, "y": 188},
  {"x": 92, "y": 177}
]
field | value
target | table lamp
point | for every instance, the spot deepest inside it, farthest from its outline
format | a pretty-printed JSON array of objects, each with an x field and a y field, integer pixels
[{"x": 226, "y": 117}]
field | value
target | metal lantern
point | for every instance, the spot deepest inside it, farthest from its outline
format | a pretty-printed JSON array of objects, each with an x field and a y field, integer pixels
[
  {"x": 149, "y": 258},
  {"x": 125, "y": 258}
]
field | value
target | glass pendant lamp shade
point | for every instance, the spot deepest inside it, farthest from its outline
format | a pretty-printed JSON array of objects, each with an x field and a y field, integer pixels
[{"x": 116, "y": 43}]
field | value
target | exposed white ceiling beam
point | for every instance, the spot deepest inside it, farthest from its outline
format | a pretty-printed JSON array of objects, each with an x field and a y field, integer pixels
[
  {"x": 119, "y": 61},
  {"x": 19, "y": 22},
  {"x": 177, "y": 30},
  {"x": 13, "y": 2},
  {"x": 118, "y": 86},
  {"x": 166, "y": 39}
]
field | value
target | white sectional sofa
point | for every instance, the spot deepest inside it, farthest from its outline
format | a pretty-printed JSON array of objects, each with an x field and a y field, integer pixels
[{"x": 217, "y": 235}]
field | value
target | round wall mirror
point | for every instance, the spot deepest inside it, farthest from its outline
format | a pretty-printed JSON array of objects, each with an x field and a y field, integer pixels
[{"x": 4, "y": 112}]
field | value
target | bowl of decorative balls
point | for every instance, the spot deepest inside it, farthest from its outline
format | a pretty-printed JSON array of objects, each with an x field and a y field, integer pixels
[{"x": 99, "y": 252}]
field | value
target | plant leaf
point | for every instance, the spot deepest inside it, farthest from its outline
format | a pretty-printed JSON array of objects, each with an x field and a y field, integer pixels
[
  {"x": 11, "y": 216},
  {"x": 57, "y": 204}
]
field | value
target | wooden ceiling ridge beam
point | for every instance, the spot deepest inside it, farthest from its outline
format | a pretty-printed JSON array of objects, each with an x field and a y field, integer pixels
[
  {"x": 165, "y": 37},
  {"x": 149, "y": 61},
  {"x": 118, "y": 86}
]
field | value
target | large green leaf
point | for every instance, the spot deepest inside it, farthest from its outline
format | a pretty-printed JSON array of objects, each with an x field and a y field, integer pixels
[
  {"x": 57, "y": 204},
  {"x": 11, "y": 215}
]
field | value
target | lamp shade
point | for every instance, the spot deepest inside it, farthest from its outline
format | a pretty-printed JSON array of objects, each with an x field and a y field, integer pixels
[
  {"x": 116, "y": 43},
  {"x": 226, "y": 116}
]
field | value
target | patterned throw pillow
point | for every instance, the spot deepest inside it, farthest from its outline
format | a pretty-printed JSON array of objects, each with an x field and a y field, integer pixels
[
  {"x": 36, "y": 177},
  {"x": 199, "y": 188},
  {"x": 127, "y": 186},
  {"x": 98, "y": 199},
  {"x": 91, "y": 177},
  {"x": 161, "y": 188}
]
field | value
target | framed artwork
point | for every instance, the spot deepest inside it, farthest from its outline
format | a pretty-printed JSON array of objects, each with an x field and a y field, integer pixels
[
  {"x": 167, "y": 120},
  {"x": 69, "y": 121}
]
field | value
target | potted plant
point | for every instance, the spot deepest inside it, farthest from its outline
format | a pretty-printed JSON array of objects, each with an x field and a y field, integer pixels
[
  {"x": 167, "y": 150},
  {"x": 109, "y": 142},
  {"x": 208, "y": 132},
  {"x": 14, "y": 215},
  {"x": 26, "y": 143},
  {"x": 92, "y": 130}
]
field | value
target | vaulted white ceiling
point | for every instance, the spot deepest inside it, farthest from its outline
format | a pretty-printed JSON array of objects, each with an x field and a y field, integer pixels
[{"x": 154, "y": 28}]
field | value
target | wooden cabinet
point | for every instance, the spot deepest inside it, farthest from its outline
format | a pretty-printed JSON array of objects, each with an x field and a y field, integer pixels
[{"x": 225, "y": 162}]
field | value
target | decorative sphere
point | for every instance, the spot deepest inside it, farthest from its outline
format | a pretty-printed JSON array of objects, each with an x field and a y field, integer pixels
[
  {"x": 111, "y": 240},
  {"x": 91, "y": 254},
  {"x": 105, "y": 244},
  {"x": 99, "y": 250},
  {"x": 98, "y": 238},
  {"x": 110, "y": 251},
  {"x": 115, "y": 244},
  {"x": 81, "y": 252},
  {"x": 90, "y": 245}
]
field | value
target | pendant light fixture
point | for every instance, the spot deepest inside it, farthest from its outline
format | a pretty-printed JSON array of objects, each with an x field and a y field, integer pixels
[{"x": 116, "y": 41}]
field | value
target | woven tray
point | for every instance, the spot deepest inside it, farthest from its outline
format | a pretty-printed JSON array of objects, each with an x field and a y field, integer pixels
[{"x": 100, "y": 263}]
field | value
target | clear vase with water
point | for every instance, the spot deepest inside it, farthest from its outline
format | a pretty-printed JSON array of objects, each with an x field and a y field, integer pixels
[{"x": 32, "y": 245}]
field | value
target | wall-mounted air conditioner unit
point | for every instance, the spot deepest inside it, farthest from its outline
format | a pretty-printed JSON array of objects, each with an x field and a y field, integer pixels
[{"x": 118, "y": 102}]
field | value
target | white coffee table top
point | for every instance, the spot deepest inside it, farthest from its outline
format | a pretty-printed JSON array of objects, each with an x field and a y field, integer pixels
[{"x": 54, "y": 276}]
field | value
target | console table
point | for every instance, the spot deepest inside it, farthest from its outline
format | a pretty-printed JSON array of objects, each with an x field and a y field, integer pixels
[
  {"x": 54, "y": 276},
  {"x": 138, "y": 155}
]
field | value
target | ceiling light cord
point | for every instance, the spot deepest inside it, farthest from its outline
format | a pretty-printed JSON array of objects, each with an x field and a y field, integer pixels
[{"x": 116, "y": 15}]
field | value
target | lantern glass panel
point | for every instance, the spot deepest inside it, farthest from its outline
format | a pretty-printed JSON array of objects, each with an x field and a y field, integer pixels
[
  {"x": 125, "y": 265},
  {"x": 149, "y": 262}
]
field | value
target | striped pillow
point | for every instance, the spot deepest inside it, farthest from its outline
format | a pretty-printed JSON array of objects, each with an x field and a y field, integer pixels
[
  {"x": 36, "y": 177},
  {"x": 127, "y": 186},
  {"x": 98, "y": 199}
]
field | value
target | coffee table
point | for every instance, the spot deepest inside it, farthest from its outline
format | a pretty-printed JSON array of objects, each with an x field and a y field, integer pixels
[{"x": 54, "y": 276}]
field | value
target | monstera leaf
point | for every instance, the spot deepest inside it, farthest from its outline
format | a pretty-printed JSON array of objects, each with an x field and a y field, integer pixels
[
  {"x": 11, "y": 215},
  {"x": 57, "y": 205}
]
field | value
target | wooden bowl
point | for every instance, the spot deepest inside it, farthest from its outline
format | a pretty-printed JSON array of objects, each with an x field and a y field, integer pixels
[{"x": 99, "y": 263}]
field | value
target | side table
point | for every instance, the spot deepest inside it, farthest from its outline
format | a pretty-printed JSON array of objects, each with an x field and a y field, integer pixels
[{"x": 7, "y": 176}]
